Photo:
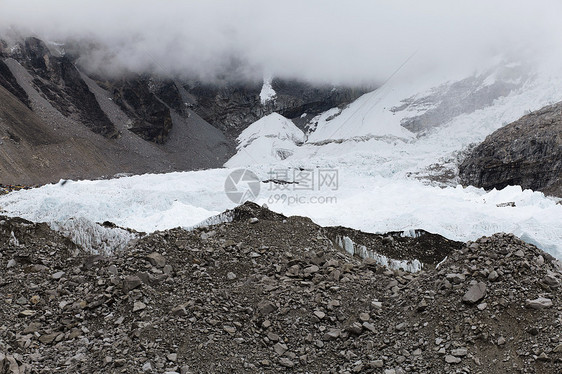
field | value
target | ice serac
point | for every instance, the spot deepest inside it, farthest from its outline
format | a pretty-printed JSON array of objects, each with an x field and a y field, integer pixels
[
  {"x": 420, "y": 128},
  {"x": 105, "y": 239},
  {"x": 527, "y": 152},
  {"x": 395, "y": 250},
  {"x": 412, "y": 266},
  {"x": 370, "y": 204}
]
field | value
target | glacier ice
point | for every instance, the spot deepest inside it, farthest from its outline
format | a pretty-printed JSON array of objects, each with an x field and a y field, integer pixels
[{"x": 412, "y": 266}]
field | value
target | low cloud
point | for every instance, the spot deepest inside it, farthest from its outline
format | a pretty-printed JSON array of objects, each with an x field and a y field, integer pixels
[{"x": 334, "y": 41}]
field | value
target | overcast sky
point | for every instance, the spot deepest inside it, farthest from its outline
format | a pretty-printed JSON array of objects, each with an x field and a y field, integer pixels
[{"x": 337, "y": 41}]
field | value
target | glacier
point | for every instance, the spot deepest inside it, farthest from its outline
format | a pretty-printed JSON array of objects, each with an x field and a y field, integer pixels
[
  {"x": 390, "y": 178},
  {"x": 369, "y": 203}
]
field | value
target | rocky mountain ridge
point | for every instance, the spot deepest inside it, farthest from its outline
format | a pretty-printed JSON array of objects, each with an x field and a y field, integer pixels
[
  {"x": 233, "y": 108},
  {"x": 136, "y": 123}
]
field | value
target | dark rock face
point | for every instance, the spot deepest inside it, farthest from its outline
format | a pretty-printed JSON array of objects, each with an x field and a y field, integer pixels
[
  {"x": 61, "y": 84},
  {"x": 194, "y": 125},
  {"x": 527, "y": 152},
  {"x": 24, "y": 125},
  {"x": 232, "y": 107},
  {"x": 42, "y": 145},
  {"x": 296, "y": 98},
  {"x": 229, "y": 107},
  {"x": 152, "y": 119},
  {"x": 9, "y": 82},
  {"x": 149, "y": 101}
]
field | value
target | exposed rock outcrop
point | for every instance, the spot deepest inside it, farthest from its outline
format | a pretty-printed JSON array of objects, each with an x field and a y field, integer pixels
[
  {"x": 232, "y": 107},
  {"x": 42, "y": 145},
  {"x": 9, "y": 82},
  {"x": 151, "y": 117},
  {"x": 59, "y": 81},
  {"x": 527, "y": 152}
]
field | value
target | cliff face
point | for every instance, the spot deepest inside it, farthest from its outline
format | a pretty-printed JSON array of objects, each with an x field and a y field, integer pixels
[
  {"x": 228, "y": 106},
  {"x": 59, "y": 82},
  {"x": 232, "y": 107},
  {"x": 527, "y": 152},
  {"x": 132, "y": 123},
  {"x": 150, "y": 101},
  {"x": 9, "y": 82},
  {"x": 151, "y": 118}
]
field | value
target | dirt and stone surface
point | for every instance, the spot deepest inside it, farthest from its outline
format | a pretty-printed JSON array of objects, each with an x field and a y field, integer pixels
[{"x": 269, "y": 294}]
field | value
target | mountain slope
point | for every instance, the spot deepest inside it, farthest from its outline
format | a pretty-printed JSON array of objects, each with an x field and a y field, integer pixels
[
  {"x": 31, "y": 152},
  {"x": 233, "y": 106},
  {"x": 383, "y": 177},
  {"x": 131, "y": 123},
  {"x": 46, "y": 146},
  {"x": 409, "y": 128}
]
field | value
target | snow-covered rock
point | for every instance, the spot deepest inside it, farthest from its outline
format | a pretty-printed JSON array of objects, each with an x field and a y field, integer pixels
[{"x": 270, "y": 139}]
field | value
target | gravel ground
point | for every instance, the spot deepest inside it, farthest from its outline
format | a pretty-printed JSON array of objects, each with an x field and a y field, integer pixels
[{"x": 268, "y": 294}]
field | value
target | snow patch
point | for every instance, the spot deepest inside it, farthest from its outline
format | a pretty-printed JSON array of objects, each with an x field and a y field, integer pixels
[
  {"x": 490, "y": 80},
  {"x": 412, "y": 233},
  {"x": 267, "y": 93},
  {"x": 13, "y": 240},
  {"x": 441, "y": 263},
  {"x": 369, "y": 115}
]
